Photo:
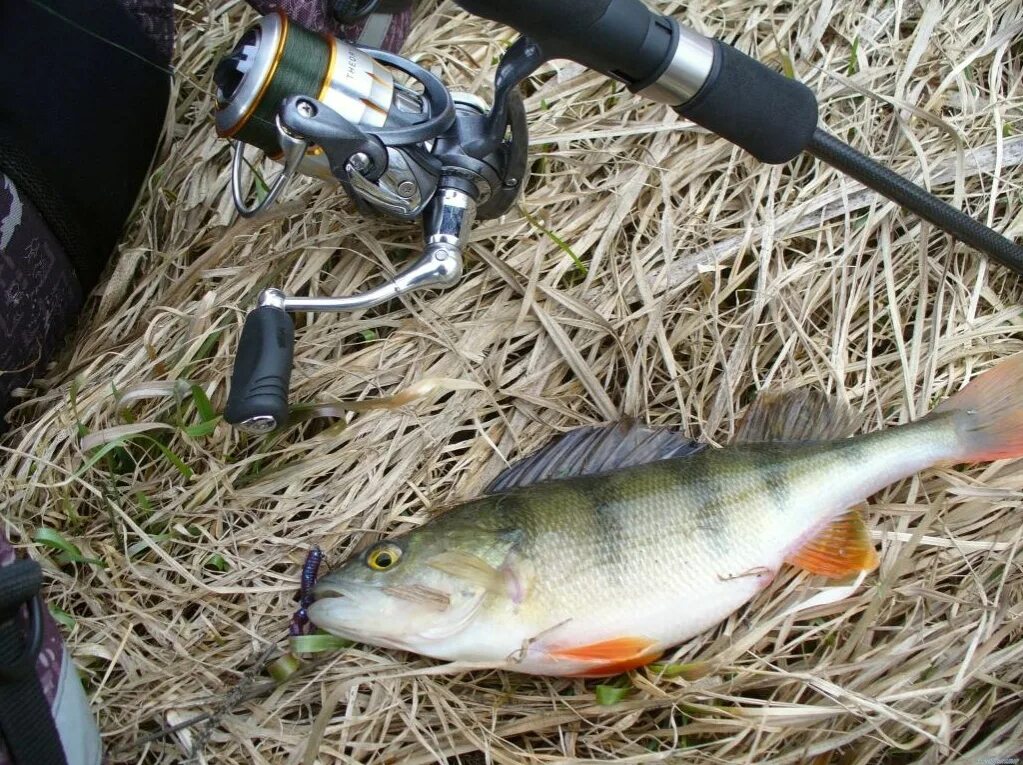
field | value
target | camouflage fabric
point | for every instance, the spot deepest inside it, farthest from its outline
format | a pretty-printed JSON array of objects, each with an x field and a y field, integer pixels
[
  {"x": 39, "y": 293},
  {"x": 316, "y": 15},
  {"x": 157, "y": 20}
]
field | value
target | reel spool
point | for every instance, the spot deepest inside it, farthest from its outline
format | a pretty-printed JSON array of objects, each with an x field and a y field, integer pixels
[
  {"x": 276, "y": 59},
  {"x": 327, "y": 109}
]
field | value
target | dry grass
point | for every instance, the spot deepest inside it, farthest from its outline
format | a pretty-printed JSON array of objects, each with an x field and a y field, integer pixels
[{"x": 709, "y": 277}]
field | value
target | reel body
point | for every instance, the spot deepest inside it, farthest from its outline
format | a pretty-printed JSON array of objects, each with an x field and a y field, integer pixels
[{"x": 407, "y": 149}]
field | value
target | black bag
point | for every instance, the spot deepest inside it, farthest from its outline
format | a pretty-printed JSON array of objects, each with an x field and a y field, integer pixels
[{"x": 83, "y": 94}]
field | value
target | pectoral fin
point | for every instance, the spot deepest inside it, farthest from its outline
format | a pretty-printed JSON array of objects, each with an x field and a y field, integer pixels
[
  {"x": 609, "y": 657},
  {"x": 470, "y": 568},
  {"x": 841, "y": 549}
]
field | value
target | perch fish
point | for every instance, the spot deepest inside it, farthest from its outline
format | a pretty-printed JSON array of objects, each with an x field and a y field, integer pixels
[{"x": 601, "y": 551}]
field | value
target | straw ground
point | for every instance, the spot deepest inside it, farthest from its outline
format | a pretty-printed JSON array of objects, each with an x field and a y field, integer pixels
[{"x": 651, "y": 270}]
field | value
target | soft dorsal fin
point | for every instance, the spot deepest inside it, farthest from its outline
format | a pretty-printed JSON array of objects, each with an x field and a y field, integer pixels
[
  {"x": 595, "y": 449},
  {"x": 797, "y": 415},
  {"x": 842, "y": 548}
]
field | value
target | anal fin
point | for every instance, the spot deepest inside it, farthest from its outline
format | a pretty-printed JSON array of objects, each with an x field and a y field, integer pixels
[
  {"x": 842, "y": 548},
  {"x": 610, "y": 657}
]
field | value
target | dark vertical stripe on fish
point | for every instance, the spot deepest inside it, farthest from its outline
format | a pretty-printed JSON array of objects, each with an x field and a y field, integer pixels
[
  {"x": 712, "y": 491},
  {"x": 604, "y": 499},
  {"x": 505, "y": 509},
  {"x": 777, "y": 483},
  {"x": 856, "y": 450}
]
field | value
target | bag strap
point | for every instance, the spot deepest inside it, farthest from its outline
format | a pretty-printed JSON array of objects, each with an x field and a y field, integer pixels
[{"x": 26, "y": 721}]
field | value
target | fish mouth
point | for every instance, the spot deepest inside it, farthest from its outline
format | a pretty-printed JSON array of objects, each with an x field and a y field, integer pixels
[
  {"x": 417, "y": 594},
  {"x": 326, "y": 589},
  {"x": 338, "y": 609},
  {"x": 401, "y": 616},
  {"x": 327, "y": 613},
  {"x": 330, "y": 588}
]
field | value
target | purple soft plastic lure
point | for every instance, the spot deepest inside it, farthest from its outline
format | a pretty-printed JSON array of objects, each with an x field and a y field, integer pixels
[{"x": 310, "y": 569}]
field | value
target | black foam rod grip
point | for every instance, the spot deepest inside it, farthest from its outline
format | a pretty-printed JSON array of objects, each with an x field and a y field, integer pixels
[
  {"x": 771, "y": 116},
  {"x": 620, "y": 38},
  {"x": 262, "y": 369}
]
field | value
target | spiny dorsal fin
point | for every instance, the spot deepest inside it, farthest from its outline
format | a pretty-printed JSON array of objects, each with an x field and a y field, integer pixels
[
  {"x": 595, "y": 449},
  {"x": 842, "y": 548},
  {"x": 797, "y": 415}
]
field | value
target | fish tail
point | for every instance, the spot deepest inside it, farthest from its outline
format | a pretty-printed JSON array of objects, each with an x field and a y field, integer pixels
[{"x": 988, "y": 414}]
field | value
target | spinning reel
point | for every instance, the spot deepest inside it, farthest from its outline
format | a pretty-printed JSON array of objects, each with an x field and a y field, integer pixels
[{"x": 325, "y": 108}]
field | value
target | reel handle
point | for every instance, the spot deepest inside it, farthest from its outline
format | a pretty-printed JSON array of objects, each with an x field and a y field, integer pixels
[{"x": 258, "y": 401}]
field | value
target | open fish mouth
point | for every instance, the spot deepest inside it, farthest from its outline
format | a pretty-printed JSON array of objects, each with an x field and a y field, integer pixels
[
  {"x": 356, "y": 633},
  {"x": 336, "y": 610},
  {"x": 383, "y": 616}
]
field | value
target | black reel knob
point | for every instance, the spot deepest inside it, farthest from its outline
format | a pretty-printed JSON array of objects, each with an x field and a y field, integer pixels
[{"x": 258, "y": 401}]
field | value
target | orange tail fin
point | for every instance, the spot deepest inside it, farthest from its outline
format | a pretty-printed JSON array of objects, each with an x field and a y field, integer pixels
[{"x": 989, "y": 414}]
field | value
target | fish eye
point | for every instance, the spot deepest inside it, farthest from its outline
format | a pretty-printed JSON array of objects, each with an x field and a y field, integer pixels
[{"x": 383, "y": 556}]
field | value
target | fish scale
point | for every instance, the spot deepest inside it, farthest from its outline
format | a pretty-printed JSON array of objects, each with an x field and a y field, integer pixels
[
  {"x": 703, "y": 522},
  {"x": 601, "y": 572}
]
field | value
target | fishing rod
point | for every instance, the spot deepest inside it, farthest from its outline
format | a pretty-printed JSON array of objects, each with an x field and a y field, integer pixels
[
  {"x": 325, "y": 108},
  {"x": 773, "y": 117}
]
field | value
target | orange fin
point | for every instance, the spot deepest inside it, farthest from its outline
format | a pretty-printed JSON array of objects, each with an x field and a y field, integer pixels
[
  {"x": 610, "y": 657},
  {"x": 842, "y": 548},
  {"x": 988, "y": 414}
]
